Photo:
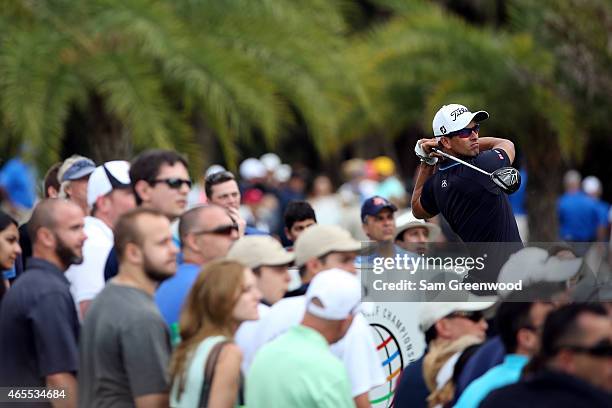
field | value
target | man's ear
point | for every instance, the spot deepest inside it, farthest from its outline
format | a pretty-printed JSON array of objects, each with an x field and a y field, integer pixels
[
  {"x": 445, "y": 141},
  {"x": 46, "y": 237},
  {"x": 133, "y": 253},
  {"x": 189, "y": 241},
  {"x": 143, "y": 190}
]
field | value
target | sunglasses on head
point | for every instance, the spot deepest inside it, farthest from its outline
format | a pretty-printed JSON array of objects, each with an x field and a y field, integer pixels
[
  {"x": 465, "y": 133},
  {"x": 227, "y": 229},
  {"x": 220, "y": 175},
  {"x": 601, "y": 349},
  {"x": 473, "y": 316},
  {"x": 173, "y": 182}
]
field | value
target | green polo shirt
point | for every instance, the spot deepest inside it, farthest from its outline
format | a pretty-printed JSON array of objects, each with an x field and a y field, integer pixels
[{"x": 297, "y": 370}]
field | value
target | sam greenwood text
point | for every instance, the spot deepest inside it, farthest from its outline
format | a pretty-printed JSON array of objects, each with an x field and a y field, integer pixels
[{"x": 455, "y": 285}]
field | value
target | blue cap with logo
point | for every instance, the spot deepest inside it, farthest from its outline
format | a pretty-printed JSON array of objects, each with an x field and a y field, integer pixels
[{"x": 374, "y": 205}]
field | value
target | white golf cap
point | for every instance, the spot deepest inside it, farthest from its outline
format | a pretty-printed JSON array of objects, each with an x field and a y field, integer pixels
[
  {"x": 591, "y": 185},
  {"x": 252, "y": 168},
  {"x": 319, "y": 240},
  {"x": 259, "y": 250},
  {"x": 454, "y": 117},
  {"x": 106, "y": 178},
  {"x": 271, "y": 161},
  {"x": 337, "y": 294},
  {"x": 407, "y": 220},
  {"x": 431, "y": 312},
  {"x": 282, "y": 173},
  {"x": 531, "y": 265}
]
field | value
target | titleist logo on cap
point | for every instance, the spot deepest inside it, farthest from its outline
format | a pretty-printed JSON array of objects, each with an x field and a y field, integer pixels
[{"x": 458, "y": 112}]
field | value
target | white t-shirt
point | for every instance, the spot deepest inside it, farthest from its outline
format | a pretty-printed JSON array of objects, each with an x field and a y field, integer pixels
[
  {"x": 87, "y": 279},
  {"x": 357, "y": 349},
  {"x": 245, "y": 337}
]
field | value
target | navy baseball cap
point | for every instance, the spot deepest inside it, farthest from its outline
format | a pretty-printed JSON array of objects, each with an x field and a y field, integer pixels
[
  {"x": 75, "y": 167},
  {"x": 374, "y": 205}
]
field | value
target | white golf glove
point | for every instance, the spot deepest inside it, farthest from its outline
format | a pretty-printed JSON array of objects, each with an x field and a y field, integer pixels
[{"x": 425, "y": 157}]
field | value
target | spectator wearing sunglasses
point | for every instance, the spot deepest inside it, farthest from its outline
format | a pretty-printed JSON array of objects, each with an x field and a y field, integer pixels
[
  {"x": 160, "y": 180},
  {"x": 573, "y": 367},
  {"x": 475, "y": 208},
  {"x": 222, "y": 189},
  {"x": 449, "y": 328},
  {"x": 519, "y": 325},
  {"x": 206, "y": 233}
]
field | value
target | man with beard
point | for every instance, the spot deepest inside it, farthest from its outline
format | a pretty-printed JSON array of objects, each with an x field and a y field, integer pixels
[
  {"x": 125, "y": 345},
  {"x": 38, "y": 321}
]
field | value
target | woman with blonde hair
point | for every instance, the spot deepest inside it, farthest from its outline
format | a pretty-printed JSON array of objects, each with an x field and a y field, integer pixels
[{"x": 205, "y": 367}]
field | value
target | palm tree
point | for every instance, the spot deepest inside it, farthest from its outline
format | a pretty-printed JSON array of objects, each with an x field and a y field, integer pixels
[
  {"x": 142, "y": 73},
  {"x": 424, "y": 57}
]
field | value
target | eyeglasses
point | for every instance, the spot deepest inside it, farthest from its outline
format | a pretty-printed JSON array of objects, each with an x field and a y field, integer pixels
[
  {"x": 473, "y": 316},
  {"x": 227, "y": 230},
  {"x": 601, "y": 349},
  {"x": 465, "y": 133},
  {"x": 173, "y": 182}
]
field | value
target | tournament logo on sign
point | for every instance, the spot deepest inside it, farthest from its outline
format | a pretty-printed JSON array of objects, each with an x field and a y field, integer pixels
[{"x": 394, "y": 329}]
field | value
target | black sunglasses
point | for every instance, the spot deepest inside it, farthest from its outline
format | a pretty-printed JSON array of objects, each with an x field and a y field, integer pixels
[
  {"x": 473, "y": 316},
  {"x": 465, "y": 133},
  {"x": 227, "y": 229},
  {"x": 173, "y": 182},
  {"x": 600, "y": 349}
]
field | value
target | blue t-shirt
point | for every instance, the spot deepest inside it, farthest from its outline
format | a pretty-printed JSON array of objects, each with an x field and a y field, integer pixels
[
  {"x": 172, "y": 292},
  {"x": 578, "y": 217},
  {"x": 603, "y": 209},
  {"x": 490, "y": 354},
  {"x": 506, "y": 373}
]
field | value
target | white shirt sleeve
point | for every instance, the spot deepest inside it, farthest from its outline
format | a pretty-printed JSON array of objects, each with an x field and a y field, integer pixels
[
  {"x": 87, "y": 279},
  {"x": 357, "y": 350},
  {"x": 247, "y": 334}
]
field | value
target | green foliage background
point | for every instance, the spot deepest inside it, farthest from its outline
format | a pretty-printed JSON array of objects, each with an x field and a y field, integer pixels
[{"x": 109, "y": 78}]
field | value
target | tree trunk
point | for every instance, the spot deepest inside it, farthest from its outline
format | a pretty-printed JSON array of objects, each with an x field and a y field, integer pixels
[{"x": 544, "y": 174}]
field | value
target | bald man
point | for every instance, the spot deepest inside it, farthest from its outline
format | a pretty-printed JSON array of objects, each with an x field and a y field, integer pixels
[
  {"x": 206, "y": 234},
  {"x": 38, "y": 321}
]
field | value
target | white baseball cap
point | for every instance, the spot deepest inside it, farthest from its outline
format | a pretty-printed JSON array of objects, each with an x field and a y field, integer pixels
[
  {"x": 107, "y": 177},
  {"x": 271, "y": 161},
  {"x": 337, "y": 291},
  {"x": 591, "y": 185},
  {"x": 319, "y": 240},
  {"x": 407, "y": 220},
  {"x": 259, "y": 250},
  {"x": 532, "y": 265},
  {"x": 454, "y": 117},
  {"x": 252, "y": 168},
  {"x": 431, "y": 312}
]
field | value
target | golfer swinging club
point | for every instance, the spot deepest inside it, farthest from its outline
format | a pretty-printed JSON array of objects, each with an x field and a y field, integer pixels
[{"x": 475, "y": 207}]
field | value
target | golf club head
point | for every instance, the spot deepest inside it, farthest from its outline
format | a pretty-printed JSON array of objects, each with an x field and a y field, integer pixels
[{"x": 507, "y": 178}]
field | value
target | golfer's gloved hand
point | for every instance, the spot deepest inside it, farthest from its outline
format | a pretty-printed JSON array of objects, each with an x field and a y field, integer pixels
[{"x": 426, "y": 158}]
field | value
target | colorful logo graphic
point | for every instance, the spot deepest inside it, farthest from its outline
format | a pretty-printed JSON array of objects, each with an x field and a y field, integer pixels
[
  {"x": 392, "y": 362},
  {"x": 398, "y": 342}
]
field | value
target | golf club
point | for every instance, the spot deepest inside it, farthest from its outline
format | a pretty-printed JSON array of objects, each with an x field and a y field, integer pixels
[{"x": 506, "y": 178}]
